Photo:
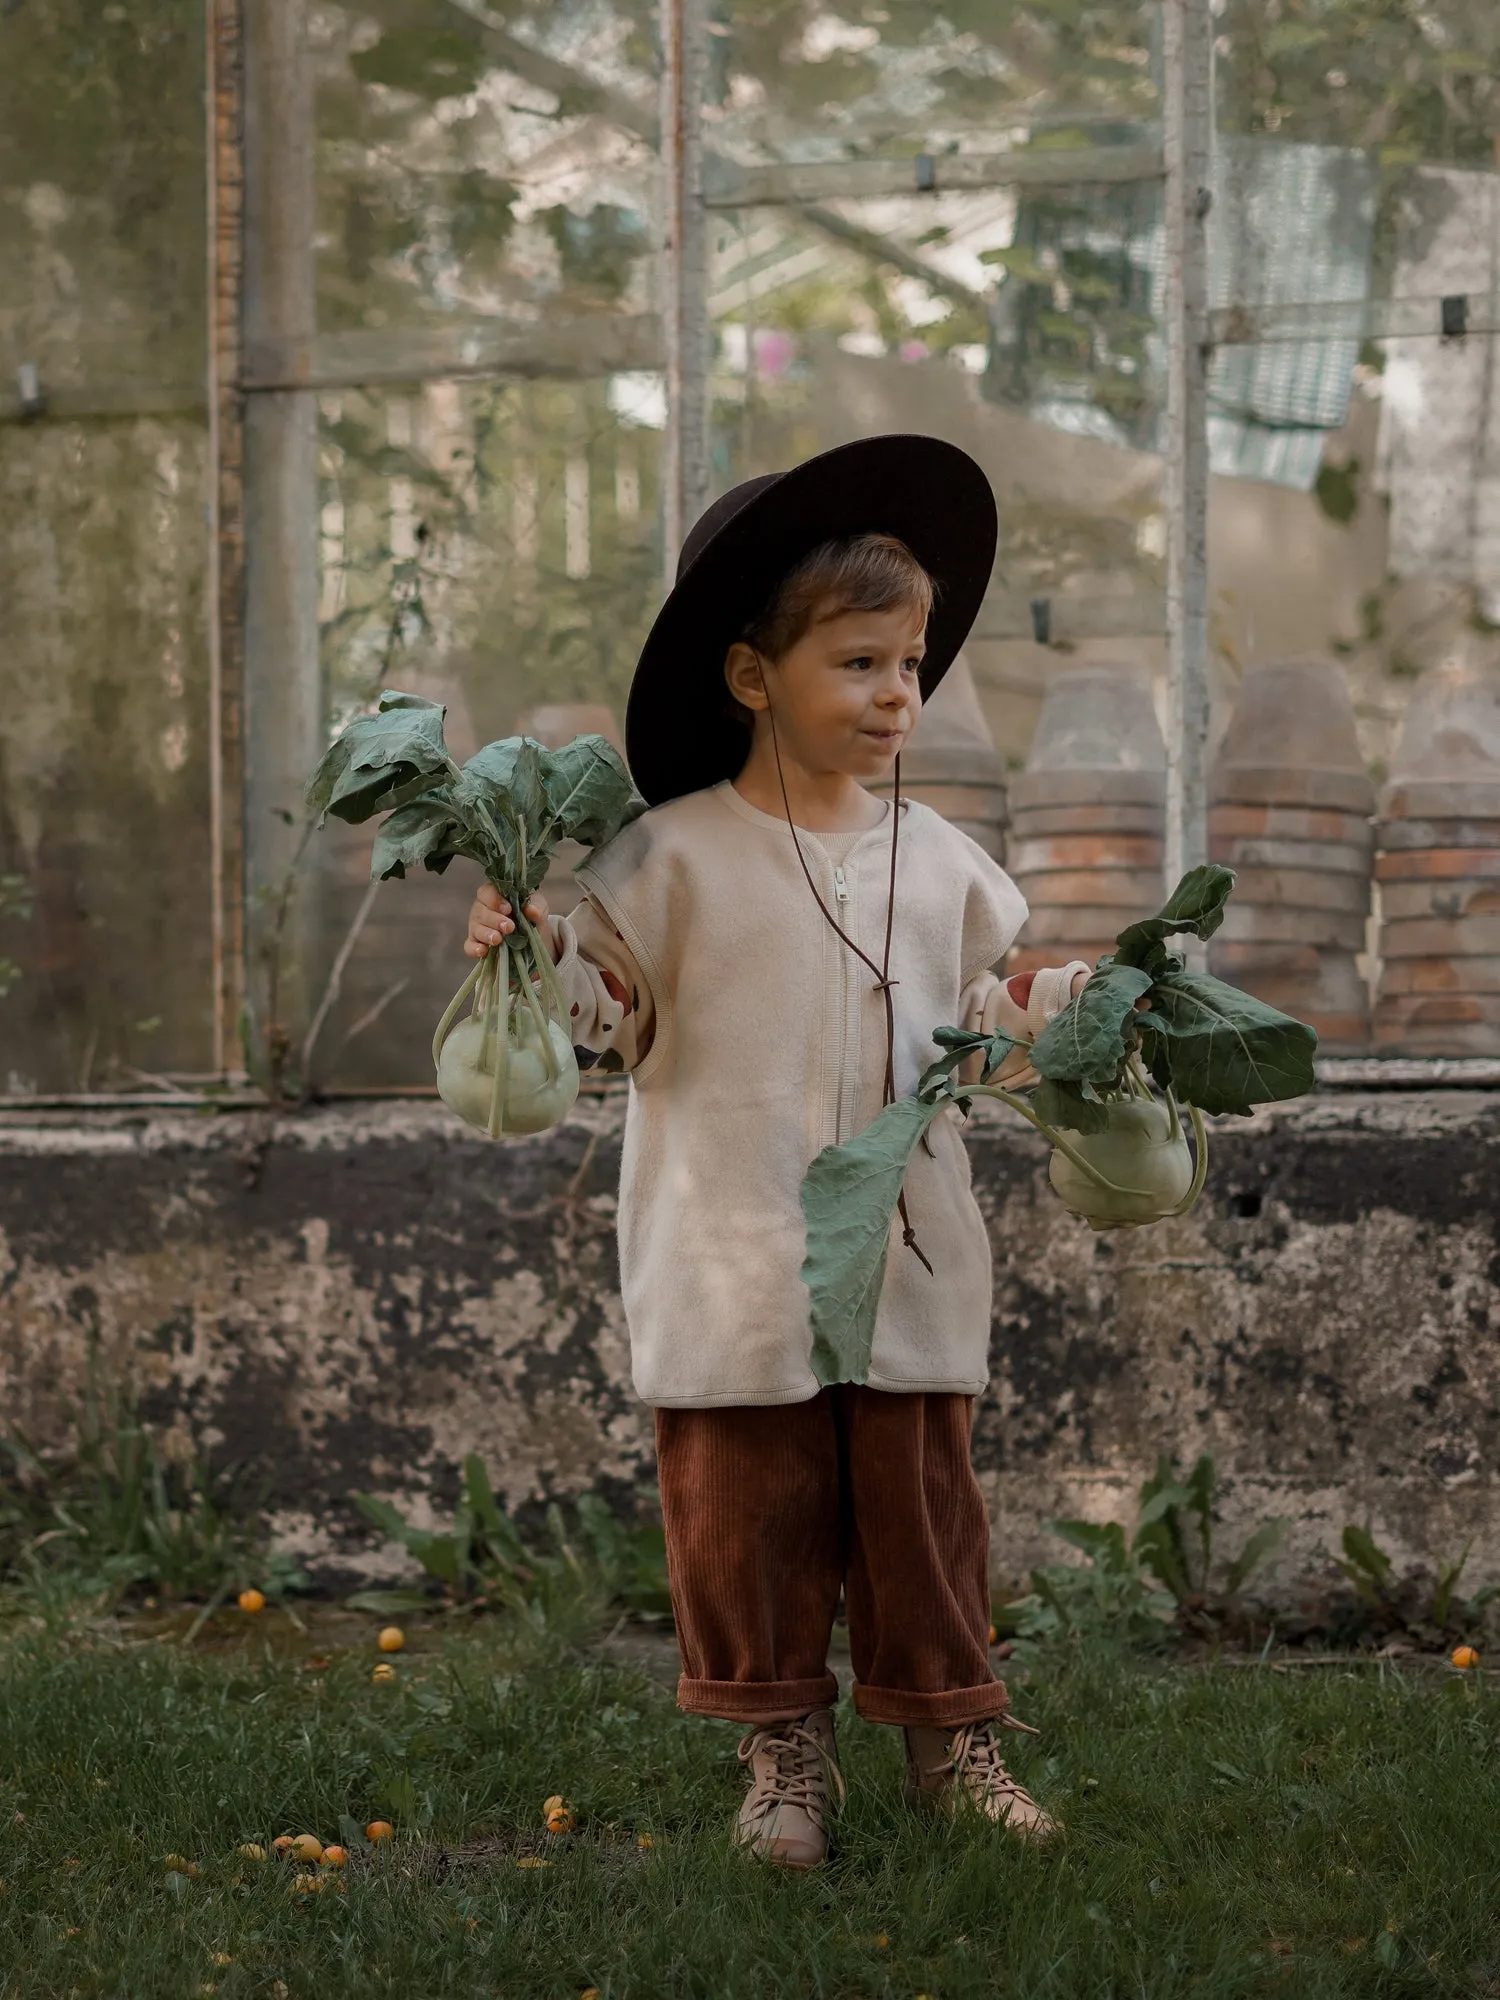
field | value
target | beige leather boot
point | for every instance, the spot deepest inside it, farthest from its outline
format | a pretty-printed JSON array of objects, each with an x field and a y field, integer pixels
[
  {"x": 957, "y": 1769},
  {"x": 794, "y": 1791}
]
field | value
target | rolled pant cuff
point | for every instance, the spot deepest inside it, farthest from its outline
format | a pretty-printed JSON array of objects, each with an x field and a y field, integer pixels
[
  {"x": 756, "y": 1701},
  {"x": 950, "y": 1708}
]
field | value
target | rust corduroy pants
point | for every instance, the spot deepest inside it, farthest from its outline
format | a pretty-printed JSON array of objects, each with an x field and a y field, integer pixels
[{"x": 770, "y": 1510}]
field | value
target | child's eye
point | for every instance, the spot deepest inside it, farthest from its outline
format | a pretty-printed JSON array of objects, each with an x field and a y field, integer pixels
[
  {"x": 864, "y": 660},
  {"x": 912, "y": 665}
]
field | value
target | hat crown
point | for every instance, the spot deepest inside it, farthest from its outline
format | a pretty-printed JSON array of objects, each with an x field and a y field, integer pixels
[{"x": 718, "y": 515}]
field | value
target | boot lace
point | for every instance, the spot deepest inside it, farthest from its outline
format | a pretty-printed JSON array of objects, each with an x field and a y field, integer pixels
[
  {"x": 796, "y": 1770},
  {"x": 978, "y": 1766}
]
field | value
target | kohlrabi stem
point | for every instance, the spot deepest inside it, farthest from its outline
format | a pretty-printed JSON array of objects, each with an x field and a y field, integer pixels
[
  {"x": 454, "y": 1005},
  {"x": 502, "y": 1042},
  {"x": 556, "y": 998},
  {"x": 1171, "y": 1097},
  {"x": 1069, "y": 1152},
  {"x": 543, "y": 1026},
  {"x": 1200, "y": 1171}
]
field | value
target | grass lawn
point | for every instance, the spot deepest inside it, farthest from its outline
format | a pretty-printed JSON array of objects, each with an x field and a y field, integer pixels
[{"x": 1326, "y": 1831}]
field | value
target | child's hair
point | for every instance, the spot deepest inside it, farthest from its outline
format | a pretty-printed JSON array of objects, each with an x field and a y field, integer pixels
[{"x": 861, "y": 573}]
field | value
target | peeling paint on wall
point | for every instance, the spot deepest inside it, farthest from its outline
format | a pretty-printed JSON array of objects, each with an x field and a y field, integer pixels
[{"x": 354, "y": 1298}]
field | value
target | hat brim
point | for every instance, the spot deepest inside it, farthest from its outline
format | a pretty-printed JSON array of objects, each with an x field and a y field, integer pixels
[{"x": 680, "y": 735}]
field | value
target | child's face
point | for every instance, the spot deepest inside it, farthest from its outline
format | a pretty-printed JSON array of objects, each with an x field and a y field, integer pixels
[{"x": 847, "y": 695}]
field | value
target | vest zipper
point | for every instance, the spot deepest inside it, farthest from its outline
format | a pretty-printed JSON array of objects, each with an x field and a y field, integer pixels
[{"x": 841, "y": 897}]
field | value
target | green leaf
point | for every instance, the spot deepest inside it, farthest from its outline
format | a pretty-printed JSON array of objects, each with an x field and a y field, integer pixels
[
  {"x": 388, "y": 1603},
  {"x": 427, "y": 833},
  {"x": 1064, "y": 1105},
  {"x": 1087, "y": 1042},
  {"x": 381, "y": 761},
  {"x": 1195, "y": 905},
  {"x": 438, "y": 1554},
  {"x": 1367, "y": 1555},
  {"x": 848, "y": 1198},
  {"x": 1224, "y": 1050},
  {"x": 1260, "y": 1545},
  {"x": 589, "y": 790},
  {"x": 960, "y": 1044},
  {"x": 1103, "y": 1542},
  {"x": 508, "y": 776}
]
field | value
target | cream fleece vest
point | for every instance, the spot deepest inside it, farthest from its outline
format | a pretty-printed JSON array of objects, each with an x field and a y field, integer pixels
[{"x": 769, "y": 1044}]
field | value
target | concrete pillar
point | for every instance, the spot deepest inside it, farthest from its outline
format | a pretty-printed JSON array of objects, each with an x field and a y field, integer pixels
[
  {"x": 284, "y": 704},
  {"x": 1187, "y": 139}
]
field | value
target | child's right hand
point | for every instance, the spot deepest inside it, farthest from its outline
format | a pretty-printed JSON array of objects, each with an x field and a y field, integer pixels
[{"x": 491, "y": 920}]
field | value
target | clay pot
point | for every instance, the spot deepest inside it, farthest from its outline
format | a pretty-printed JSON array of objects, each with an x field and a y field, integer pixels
[
  {"x": 953, "y": 765},
  {"x": 1439, "y": 870},
  {"x": 1088, "y": 816},
  {"x": 1290, "y": 813}
]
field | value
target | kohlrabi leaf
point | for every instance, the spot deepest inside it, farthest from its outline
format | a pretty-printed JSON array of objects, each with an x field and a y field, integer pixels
[
  {"x": 427, "y": 833},
  {"x": 502, "y": 793},
  {"x": 1224, "y": 1050},
  {"x": 961, "y": 1044},
  {"x": 1195, "y": 905},
  {"x": 589, "y": 790},
  {"x": 1087, "y": 1041},
  {"x": 1064, "y": 1104},
  {"x": 848, "y": 1198},
  {"x": 508, "y": 776},
  {"x": 381, "y": 761}
]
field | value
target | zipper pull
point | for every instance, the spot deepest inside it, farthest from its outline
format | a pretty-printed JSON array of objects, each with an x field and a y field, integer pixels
[{"x": 840, "y": 886}]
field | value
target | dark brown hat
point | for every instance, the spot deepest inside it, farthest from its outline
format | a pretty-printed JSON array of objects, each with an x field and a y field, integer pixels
[{"x": 680, "y": 735}]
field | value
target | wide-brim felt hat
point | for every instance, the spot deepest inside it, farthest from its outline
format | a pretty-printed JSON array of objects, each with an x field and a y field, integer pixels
[{"x": 680, "y": 730}]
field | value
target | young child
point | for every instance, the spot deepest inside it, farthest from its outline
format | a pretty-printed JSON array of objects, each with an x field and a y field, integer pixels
[{"x": 767, "y": 951}]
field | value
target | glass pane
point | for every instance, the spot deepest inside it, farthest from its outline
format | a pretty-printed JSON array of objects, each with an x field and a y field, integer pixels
[
  {"x": 104, "y": 861},
  {"x": 1356, "y": 232},
  {"x": 493, "y": 546}
]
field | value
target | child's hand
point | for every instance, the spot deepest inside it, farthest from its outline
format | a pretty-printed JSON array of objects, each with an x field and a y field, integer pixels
[
  {"x": 1081, "y": 979},
  {"x": 491, "y": 920}
]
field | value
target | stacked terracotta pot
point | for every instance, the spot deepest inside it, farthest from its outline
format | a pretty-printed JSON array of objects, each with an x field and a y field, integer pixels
[
  {"x": 1088, "y": 816},
  {"x": 1439, "y": 872},
  {"x": 1290, "y": 805},
  {"x": 953, "y": 765}
]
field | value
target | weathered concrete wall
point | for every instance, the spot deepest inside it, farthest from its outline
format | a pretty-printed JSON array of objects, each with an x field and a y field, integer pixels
[{"x": 357, "y": 1297}]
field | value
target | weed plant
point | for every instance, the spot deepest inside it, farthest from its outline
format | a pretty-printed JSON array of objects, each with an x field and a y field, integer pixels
[{"x": 117, "y": 1515}]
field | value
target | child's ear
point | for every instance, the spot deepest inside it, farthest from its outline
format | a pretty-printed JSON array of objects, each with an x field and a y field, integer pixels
[{"x": 742, "y": 676}]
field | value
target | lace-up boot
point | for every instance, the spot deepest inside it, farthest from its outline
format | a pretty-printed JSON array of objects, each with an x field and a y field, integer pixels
[
  {"x": 795, "y": 1788},
  {"x": 958, "y": 1769}
]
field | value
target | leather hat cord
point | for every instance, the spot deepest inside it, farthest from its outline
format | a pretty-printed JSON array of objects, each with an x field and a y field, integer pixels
[{"x": 883, "y": 980}]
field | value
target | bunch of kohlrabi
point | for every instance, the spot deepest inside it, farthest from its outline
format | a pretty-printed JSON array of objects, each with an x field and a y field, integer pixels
[
  {"x": 1120, "y": 1151},
  {"x": 510, "y": 1066}
]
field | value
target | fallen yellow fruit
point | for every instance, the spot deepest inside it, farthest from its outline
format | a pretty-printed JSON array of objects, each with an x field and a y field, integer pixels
[
  {"x": 644, "y": 1842},
  {"x": 252, "y": 1851},
  {"x": 252, "y": 1600},
  {"x": 532, "y": 1861},
  {"x": 380, "y": 1829},
  {"x": 335, "y": 1857},
  {"x": 179, "y": 1866},
  {"x": 1465, "y": 1657},
  {"x": 281, "y": 1843},
  {"x": 382, "y": 1671},
  {"x": 391, "y": 1640},
  {"x": 307, "y": 1847}
]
